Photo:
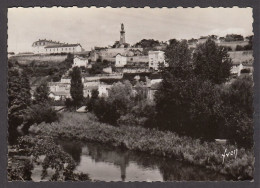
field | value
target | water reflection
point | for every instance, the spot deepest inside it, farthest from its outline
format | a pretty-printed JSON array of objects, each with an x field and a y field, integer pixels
[{"x": 105, "y": 163}]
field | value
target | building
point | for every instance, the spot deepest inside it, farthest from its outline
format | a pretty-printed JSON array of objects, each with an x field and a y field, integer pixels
[
  {"x": 63, "y": 48},
  {"x": 108, "y": 70},
  {"x": 103, "y": 90},
  {"x": 59, "y": 95},
  {"x": 43, "y": 46},
  {"x": 122, "y": 35},
  {"x": 155, "y": 59},
  {"x": 236, "y": 69},
  {"x": 80, "y": 62},
  {"x": 121, "y": 60}
]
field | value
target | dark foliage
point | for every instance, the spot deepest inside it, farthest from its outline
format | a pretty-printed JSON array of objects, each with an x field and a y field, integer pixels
[
  {"x": 192, "y": 104},
  {"x": 233, "y": 37},
  {"x": 76, "y": 89},
  {"x": 212, "y": 62},
  {"x": 41, "y": 94},
  {"x": 19, "y": 99}
]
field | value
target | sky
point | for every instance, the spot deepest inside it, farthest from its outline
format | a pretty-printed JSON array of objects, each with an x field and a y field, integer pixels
[{"x": 101, "y": 26}]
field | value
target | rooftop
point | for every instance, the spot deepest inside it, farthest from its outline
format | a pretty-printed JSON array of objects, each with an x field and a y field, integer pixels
[{"x": 63, "y": 45}]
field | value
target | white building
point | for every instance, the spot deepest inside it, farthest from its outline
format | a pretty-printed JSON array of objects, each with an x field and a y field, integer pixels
[
  {"x": 80, "y": 62},
  {"x": 156, "y": 58},
  {"x": 59, "y": 95},
  {"x": 236, "y": 69},
  {"x": 120, "y": 60},
  {"x": 43, "y": 46},
  {"x": 63, "y": 48},
  {"x": 103, "y": 90},
  {"x": 108, "y": 70}
]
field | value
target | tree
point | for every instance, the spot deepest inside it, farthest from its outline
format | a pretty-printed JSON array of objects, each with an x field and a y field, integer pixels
[
  {"x": 147, "y": 43},
  {"x": 92, "y": 101},
  {"x": 76, "y": 89},
  {"x": 185, "y": 103},
  {"x": 97, "y": 68},
  {"x": 238, "y": 111},
  {"x": 171, "y": 98},
  {"x": 234, "y": 37},
  {"x": 94, "y": 94},
  {"x": 212, "y": 62},
  {"x": 19, "y": 99},
  {"x": 120, "y": 96},
  {"x": 118, "y": 103},
  {"x": 41, "y": 94}
]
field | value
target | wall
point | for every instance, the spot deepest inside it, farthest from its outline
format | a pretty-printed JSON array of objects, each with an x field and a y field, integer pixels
[
  {"x": 25, "y": 59},
  {"x": 142, "y": 59}
]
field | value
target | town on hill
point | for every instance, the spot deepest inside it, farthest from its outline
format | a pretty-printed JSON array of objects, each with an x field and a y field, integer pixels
[{"x": 103, "y": 66}]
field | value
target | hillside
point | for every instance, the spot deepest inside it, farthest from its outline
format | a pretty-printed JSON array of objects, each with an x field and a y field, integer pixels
[
  {"x": 39, "y": 70},
  {"x": 27, "y": 59},
  {"x": 241, "y": 57}
]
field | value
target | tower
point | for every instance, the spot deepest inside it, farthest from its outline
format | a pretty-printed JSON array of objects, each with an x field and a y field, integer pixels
[{"x": 122, "y": 35}]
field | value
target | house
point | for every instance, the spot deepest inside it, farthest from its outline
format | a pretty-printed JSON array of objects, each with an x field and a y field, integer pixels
[
  {"x": 59, "y": 95},
  {"x": 121, "y": 60},
  {"x": 80, "y": 62},
  {"x": 236, "y": 69},
  {"x": 108, "y": 70},
  {"x": 87, "y": 91},
  {"x": 103, "y": 90},
  {"x": 82, "y": 109},
  {"x": 155, "y": 59}
]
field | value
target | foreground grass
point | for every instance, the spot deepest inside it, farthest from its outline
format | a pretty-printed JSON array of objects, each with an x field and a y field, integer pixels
[{"x": 85, "y": 127}]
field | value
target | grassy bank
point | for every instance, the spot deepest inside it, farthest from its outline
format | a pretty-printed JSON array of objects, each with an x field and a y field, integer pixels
[{"x": 85, "y": 127}]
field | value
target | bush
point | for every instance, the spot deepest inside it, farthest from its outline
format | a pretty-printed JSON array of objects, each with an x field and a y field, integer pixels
[
  {"x": 40, "y": 113},
  {"x": 237, "y": 110},
  {"x": 245, "y": 71},
  {"x": 239, "y": 48}
]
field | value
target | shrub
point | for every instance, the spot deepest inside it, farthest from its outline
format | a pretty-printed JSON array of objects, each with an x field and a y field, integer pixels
[
  {"x": 40, "y": 113},
  {"x": 237, "y": 110},
  {"x": 245, "y": 71}
]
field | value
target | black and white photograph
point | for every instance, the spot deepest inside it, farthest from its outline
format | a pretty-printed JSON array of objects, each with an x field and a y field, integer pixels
[{"x": 130, "y": 94}]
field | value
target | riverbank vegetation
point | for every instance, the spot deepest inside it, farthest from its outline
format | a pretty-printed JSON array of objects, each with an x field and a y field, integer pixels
[
  {"x": 207, "y": 154},
  {"x": 42, "y": 150}
]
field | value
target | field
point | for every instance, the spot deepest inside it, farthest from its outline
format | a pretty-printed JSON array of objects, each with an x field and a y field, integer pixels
[
  {"x": 85, "y": 127},
  {"x": 233, "y": 44},
  {"x": 241, "y": 57}
]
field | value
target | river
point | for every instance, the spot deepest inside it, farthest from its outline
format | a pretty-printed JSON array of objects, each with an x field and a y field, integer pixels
[{"x": 106, "y": 163}]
